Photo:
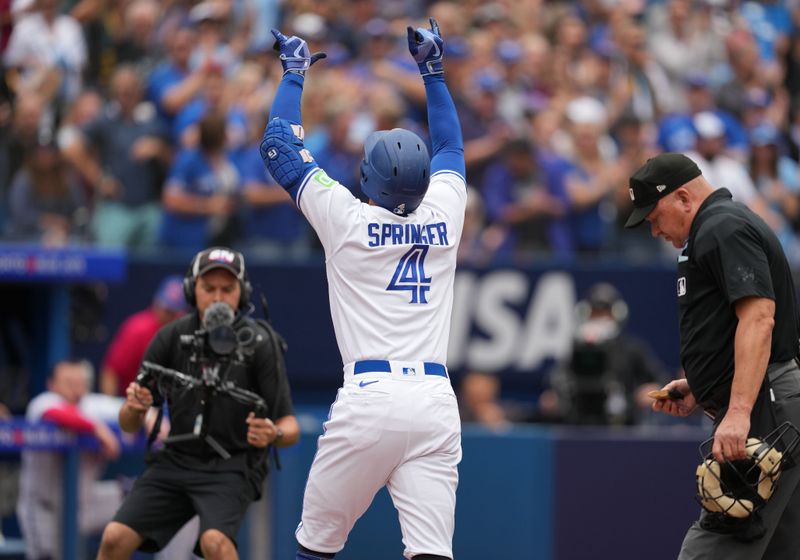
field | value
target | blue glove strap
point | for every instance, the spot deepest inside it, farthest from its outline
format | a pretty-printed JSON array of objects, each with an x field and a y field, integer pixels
[
  {"x": 431, "y": 67},
  {"x": 284, "y": 154}
]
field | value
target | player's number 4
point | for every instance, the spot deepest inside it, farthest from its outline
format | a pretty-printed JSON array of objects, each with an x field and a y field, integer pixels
[{"x": 410, "y": 275}]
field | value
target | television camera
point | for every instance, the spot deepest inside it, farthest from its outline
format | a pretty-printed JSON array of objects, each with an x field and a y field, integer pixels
[
  {"x": 214, "y": 348},
  {"x": 596, "y": 393}
]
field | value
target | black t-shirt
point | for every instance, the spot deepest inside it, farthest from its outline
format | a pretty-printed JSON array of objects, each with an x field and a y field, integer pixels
[
  {"x": 262, "y": 372},
  {"x": 730, "y": 254},
  {"x": 594, "y": 369}
]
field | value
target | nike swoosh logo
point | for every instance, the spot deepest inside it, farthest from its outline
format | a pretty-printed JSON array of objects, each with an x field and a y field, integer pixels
[{"x": 365, "y": 383}]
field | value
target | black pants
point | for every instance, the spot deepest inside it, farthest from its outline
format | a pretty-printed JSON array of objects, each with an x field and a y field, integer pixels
[{"x": 781, "y": 514}]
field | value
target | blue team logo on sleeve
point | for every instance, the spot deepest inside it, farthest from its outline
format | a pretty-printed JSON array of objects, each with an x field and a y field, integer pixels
[{"x": 410, "y": 275}]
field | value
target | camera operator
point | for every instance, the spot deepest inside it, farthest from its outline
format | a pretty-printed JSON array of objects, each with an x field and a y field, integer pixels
[
  {"x": 606, "y": 377},
  {"x": 215, "y": 460}
]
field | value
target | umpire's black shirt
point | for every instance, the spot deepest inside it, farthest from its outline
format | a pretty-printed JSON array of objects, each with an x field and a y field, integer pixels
[
  {"x": 263, "y": 374},
  {"x": 730, "y": 254}
]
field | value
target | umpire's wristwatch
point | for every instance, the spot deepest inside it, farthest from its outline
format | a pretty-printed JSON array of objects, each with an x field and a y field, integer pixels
[{"x": 278, "y": 436}]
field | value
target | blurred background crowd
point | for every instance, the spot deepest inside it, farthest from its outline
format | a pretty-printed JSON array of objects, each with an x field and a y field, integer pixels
[{"x": 136, "y": 123}]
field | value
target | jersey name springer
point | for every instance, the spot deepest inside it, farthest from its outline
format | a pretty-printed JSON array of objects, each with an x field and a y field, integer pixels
[{"x": 407, "y": 234}]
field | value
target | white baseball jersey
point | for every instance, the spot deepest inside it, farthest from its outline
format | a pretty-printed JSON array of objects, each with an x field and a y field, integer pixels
[
  {"x": 390, "y": 282},
  {"x": 40, "y": 494},
  {"x": 390, "y": 278}
]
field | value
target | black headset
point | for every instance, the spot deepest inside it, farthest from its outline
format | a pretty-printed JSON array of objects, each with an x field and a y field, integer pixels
[{"x": 190, "y": 279}]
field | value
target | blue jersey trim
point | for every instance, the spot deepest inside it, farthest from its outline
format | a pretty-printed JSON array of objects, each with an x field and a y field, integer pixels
[
  {"x": 449, "y": 172},
  {"x": 298, "y": 188}
]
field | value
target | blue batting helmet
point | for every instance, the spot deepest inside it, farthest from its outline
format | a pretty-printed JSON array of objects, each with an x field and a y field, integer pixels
[{"x": 395, "y": 170}]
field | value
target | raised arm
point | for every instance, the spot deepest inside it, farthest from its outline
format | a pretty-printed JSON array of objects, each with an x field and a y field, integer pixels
[
  {"x": 427, "y": 48},
  {"x": 282, "y": 147}
]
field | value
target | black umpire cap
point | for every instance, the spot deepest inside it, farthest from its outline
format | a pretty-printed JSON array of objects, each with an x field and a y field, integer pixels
[{"x": 654, "y": 180}]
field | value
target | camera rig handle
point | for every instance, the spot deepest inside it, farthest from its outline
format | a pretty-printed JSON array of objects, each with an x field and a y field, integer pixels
[
  {"x": 243, "y": 396},
  {"x": 152, "y": 375}
]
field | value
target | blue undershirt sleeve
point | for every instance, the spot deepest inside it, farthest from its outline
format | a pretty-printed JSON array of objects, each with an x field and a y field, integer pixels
[
  {"x": 282, "y": 147},
  {"x": 444, "y": 126},
  {"x": 286, "y": 104}
]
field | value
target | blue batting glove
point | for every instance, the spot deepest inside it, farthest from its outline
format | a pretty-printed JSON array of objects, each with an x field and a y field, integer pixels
[
  {"x": 427, "y": 48},
  {"x": 294, "y": 54}
]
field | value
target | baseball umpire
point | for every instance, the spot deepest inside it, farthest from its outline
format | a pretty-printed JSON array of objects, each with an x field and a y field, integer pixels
[
  {"x": 739, "y": 339},
  {"x": 391, "y": 266},
  {"x": 214, "y": 462}
]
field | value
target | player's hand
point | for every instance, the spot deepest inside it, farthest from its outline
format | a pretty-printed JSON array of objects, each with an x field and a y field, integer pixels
[
  {"x": 427, "y": 48},
  {"x": 677, "y": 407},
  {"x": 109, "y": 444},
  {"x": 260, "y": 431},
  {"x": 138, "y": 398},
  {"x": 731, "y": 436},
  {"x": 294, "y": 54}
]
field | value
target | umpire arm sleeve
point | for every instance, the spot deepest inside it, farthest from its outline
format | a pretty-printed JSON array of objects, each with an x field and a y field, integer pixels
[{"x": 445, "y": 129}]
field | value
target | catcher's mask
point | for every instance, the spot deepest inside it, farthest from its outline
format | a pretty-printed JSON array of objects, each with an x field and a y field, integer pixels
[{"x": 734, "y": 490}]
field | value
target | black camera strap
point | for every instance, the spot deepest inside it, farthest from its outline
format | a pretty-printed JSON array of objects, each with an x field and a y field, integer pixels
[{"x": 279, "y": 348}]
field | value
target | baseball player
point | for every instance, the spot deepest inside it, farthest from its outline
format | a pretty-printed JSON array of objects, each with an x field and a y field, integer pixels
[
  {"x": 69, "y": 404},
  {"x": 390, "y": 265}
]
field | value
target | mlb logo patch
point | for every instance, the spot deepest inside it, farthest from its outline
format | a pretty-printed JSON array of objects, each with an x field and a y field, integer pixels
[
  {"x": 681, "y": 286},
  {"x": 409, "y": 371}
]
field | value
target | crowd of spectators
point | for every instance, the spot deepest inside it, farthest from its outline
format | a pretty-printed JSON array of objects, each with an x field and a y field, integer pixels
[{"x": 136, "y": 123}]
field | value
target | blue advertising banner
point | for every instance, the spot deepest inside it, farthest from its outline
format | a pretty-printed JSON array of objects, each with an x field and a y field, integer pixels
[
  {"x": 31, "y": 263},
  {"x": 514, "y": 322},
  {"x": 518, "y": 322}
]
